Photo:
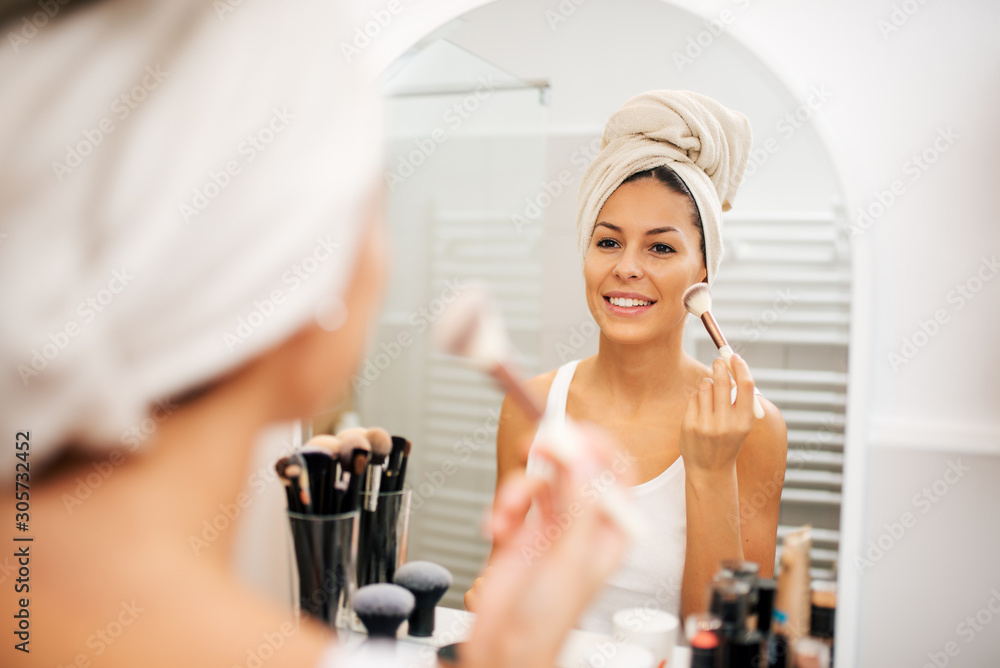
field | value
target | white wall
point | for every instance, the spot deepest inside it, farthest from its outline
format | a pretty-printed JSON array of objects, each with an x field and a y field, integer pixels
[{"x": 892, "y": 94}]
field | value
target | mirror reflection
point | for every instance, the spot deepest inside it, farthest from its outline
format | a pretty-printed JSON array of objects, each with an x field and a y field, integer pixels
[{"x": 488, "y": 139}]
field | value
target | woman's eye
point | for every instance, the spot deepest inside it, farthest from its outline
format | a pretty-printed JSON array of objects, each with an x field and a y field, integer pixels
[
  {"x": 662, "y": 248},
  {"x": 607, "y": 243}
]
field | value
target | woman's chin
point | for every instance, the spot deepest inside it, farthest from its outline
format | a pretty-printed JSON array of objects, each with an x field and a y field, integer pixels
[{"x": 628, "y": 334}]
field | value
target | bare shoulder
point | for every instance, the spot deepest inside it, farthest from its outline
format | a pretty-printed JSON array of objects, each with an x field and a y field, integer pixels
[
  {"x": 513, "y": 419},
  {"x": 516, "y": 430}
]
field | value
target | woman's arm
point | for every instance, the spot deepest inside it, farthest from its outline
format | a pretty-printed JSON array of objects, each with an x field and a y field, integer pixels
[
  {"x": 760, "y": 471},
  {"x": 734, "y": 467}
]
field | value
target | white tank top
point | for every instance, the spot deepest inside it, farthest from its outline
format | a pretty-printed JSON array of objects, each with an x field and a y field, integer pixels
[{"x": 653, "y": 569}]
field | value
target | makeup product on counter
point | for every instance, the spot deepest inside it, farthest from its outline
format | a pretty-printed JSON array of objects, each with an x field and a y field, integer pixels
[
  {"x": 792, "y": 598},
  {"x": 778, "y": 650},
  {"x": 746, "y": 571},
  {"x": 765, "y": 606},
  {"x": 382, "y": 608},
  {"x": 822, "y": 613},
  {"x": 774, "y": 645},
  {"x": 427, "y": 582},
  {"x": 655, "y": 630},
  {"x": 472, "y": 327},
  {"x": 739, "y": 647},
  {"x": 698, "y": 301},
  {"x": 811, "y": 653},
  {"x": 702, "y": 632}
]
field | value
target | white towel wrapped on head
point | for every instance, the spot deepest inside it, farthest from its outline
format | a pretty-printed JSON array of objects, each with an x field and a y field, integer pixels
[
  {"x": 179, "y": 191},
  {"x": 704, "y": 142}
]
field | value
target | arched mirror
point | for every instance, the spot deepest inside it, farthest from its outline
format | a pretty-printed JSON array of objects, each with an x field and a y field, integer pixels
[{"x": 491, "y": 122}]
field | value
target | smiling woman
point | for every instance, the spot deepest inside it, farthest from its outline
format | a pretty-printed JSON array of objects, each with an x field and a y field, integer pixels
[{"x": 687, "y": 430}]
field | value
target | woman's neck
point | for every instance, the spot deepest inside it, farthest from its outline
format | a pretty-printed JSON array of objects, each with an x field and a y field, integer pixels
[
  {"x": 636, "y": 372},
  {"x": 199, "y": 458}
]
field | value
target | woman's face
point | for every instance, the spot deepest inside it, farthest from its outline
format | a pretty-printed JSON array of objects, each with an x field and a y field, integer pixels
[{"x": 645, "y": 251}]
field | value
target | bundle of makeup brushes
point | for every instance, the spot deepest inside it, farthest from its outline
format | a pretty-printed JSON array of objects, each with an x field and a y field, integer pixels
[
  {"x": 330, "y": 483},
  {"x": 382, "y": 531},
  {"x": 331, "y": 475}
]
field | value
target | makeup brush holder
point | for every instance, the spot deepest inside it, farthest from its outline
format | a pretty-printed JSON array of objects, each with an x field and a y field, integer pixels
[
  {"x": 326, "y": 557},
  {"x": 383, "y": 536}
]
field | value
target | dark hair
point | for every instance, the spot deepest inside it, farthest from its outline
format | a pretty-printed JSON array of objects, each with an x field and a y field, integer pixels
[{"x": 671, "y": 180}]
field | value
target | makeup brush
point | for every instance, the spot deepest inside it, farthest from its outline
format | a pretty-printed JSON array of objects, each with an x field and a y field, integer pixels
[
  {"x": 391, "y": 472},
  {"x": 401, "y": 476},
  {"x": 354, "y": 456},
  {"x": 288, "y": 474},
  {"x": 698, "y": 300},
  {"x": 382, "y": 607},
  {"x": 427, "y": 582},
  {"x": 321, "y": 465},
  {"x": 337, "y": 452},
  {"x": 472, "y": 327},
  {"x": 357, "y": 464},
  {"x": 298, "y": 473},
  {"x": 381, "y": 444}
]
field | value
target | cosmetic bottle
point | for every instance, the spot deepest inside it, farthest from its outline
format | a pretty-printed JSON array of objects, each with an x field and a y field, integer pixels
[
  {"x": 778, "y": 652},
  {"x": 765, "y": 616},
  {"x": 765, "y": 607},
  {"x": 745, "y": 571},
  {"x": 790, "y": 622},
  {"x": 739, "y": 646},
  {"x": 822, "y": 615},
  {"x": 702, "y": 632}
]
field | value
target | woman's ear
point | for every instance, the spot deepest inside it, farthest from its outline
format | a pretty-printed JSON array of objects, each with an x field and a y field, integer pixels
[{"x": 313, "y": 369}]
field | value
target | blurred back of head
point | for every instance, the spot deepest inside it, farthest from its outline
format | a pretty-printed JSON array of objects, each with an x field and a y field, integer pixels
[{"x": 179, "y": 188}]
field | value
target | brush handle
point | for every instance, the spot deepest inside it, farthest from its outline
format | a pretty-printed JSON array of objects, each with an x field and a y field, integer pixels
[
  {"x": 510, "y": 381},
  {"x": 727, "y": 353}
]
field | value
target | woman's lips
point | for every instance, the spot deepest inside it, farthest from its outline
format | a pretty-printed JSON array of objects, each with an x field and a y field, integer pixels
[{"x": 628, "y": 311}]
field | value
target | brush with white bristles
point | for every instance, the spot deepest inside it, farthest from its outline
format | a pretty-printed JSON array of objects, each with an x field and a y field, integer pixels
[
  {"x": 472, "y": 327},
  {"x": 698, "y": 301}
]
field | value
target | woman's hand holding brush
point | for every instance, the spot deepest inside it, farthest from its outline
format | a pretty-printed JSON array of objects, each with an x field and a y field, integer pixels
[
  {"x": 713, "y": 429},
  {"x": 697, "y": 300}
]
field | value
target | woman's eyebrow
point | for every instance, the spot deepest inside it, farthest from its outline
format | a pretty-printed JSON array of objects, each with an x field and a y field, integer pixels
[{"x": 655, "y": 230}]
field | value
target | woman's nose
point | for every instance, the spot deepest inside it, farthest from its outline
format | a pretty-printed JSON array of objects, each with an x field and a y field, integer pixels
[{"x": 629, "y": 265}]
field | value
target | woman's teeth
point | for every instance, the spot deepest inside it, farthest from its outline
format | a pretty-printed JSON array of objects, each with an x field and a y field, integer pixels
[{"x": 627, "y": 303}]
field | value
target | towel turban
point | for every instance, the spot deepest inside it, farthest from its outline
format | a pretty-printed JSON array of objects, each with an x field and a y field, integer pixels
[
  {"x": 181, "y": 188},
  {"x": 705, "y": 143}
]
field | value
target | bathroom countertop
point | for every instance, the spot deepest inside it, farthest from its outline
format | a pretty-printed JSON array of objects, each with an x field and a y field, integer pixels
[{"x": 453, "y": 626}]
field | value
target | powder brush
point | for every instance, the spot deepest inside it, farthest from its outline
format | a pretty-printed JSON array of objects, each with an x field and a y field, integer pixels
[
  {"x": 698, "y": 301},
  {"x": 472, "y": 327}
]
